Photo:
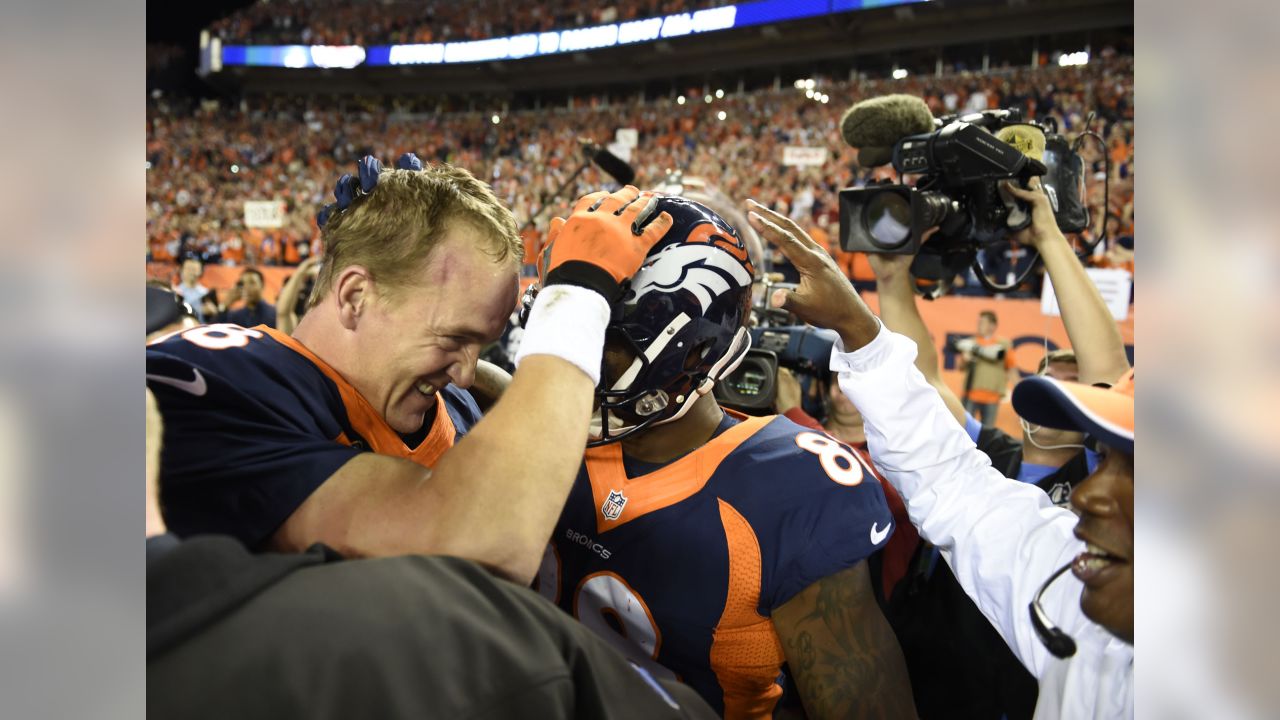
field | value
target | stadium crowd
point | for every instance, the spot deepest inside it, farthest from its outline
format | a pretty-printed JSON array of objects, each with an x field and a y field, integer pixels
[
  {"x": 366, "y": 22},
  {"x": 205, "y": 160}
]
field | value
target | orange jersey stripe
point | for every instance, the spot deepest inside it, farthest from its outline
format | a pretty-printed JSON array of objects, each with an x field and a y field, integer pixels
[
  {"x": 746, "y": 654},
  {"x": 663, "y": 487},
  {"x": 369, "y": 422}
]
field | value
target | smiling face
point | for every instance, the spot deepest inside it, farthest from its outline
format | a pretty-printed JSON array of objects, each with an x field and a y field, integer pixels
[
  {"x": 414, "y": 340},
  {"x": 1105, "y": 504}
]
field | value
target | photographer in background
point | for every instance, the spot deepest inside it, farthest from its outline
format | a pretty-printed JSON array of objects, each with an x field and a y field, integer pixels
[{"x": 989, "y": 372}]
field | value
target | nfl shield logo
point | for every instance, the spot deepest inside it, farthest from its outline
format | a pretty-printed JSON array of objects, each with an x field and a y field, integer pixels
[{"x": 613, "y": 505}]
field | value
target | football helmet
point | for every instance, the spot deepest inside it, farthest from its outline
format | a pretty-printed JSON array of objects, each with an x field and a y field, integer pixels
[{"x": 682, "y": 322}]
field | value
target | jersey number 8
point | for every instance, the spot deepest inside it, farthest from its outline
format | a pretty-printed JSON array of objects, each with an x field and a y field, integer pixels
[
  {"x": 840, "y": 464},
  {"x": 610, "y": 608},
  {"x": 220, "y": 336}
]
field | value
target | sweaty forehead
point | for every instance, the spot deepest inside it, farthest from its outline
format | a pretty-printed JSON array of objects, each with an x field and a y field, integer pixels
[{"x": 486, "y": 291}]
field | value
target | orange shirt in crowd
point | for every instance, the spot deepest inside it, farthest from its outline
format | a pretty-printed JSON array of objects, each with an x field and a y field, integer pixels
[
  {"x": 160, "y": 250},
  {"x": 291, "y": 254},
  {"x": 233, "y": 250},
  {"x": 253, "y": 244}
]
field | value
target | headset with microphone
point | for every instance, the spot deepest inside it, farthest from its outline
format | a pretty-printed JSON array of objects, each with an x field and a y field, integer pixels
[{"x": 1055, "y": 639}]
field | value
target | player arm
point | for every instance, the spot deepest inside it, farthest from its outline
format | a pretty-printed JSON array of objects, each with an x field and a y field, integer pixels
[
  {"x": 898, "y": 311},
  {"x": 493, "y": 498},
  {"x": 842, "y": 653},
  {"x": 287, "y": 300},
  {"x": 1093, "y": 331}
]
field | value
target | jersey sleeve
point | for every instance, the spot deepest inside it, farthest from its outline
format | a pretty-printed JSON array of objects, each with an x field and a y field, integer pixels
[
  {"x": 816, "y": 510},
  {"x": 462, "y": 409},
  {"x": 246, "y": 439},
  {"x": 1004, "y": 450}
]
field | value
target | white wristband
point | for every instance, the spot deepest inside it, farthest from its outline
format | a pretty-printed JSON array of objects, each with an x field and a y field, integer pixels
[{"x": 569, "y": 322}]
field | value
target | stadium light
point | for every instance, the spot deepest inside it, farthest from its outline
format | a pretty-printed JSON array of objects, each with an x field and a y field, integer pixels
[
  {"x": 799, "y": 84},
  {"x": 825, "y": 99},
  {"x": 899, "y": 73},
  {"x": 810, "y": 84},
  {"x": 722, "y": 115},
  {"x": 808, "y": 94},
  {"x": 719, "y": 94},
  {"x": 707, "y": 99},
  {"x": 1075, "y": 58},
  {"x": 680, "y": 100},
  {"x": 235, "y": 169},
  {"x": 496, "y": 119}
]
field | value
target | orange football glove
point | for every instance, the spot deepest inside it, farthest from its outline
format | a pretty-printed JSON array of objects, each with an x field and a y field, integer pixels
[{"x": 605, "y": 240}]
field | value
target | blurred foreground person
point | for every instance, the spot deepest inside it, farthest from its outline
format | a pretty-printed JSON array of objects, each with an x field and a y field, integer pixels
[
  {"x": 1004, "y": 540},
  {"x": 349, "y": 432},
  {"x": 712, "y": 546},
  {"x": 167, "y": 312},
  {"x": 232, "y": 634}
]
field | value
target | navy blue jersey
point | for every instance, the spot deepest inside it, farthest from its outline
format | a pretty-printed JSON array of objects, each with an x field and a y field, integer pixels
[
  {"x": 254, "y": 422},
  {"x": 682, "y": 567}
]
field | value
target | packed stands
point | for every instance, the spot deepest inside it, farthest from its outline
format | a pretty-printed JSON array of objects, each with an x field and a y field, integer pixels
[{"x": 206, "y": 160}]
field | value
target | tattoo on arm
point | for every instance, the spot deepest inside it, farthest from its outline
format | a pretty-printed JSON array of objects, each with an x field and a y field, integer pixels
[{"x": 842, "y": 653}]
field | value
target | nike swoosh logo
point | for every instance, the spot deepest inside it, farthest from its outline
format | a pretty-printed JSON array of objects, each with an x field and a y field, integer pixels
[
  {"x": 878, "y": 536},
  {"x": 196, "y": 387}
]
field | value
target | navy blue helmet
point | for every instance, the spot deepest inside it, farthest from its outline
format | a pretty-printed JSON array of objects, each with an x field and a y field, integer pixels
[{"x": 682, "y": 325}]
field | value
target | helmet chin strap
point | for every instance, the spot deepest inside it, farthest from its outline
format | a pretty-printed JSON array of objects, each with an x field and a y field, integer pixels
[{"x": 727, "y": 364}]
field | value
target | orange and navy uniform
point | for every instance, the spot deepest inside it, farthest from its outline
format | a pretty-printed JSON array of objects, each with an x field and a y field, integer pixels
[
  {"x": 254, "y": 422},
  {"x": 680, "y": 566}
]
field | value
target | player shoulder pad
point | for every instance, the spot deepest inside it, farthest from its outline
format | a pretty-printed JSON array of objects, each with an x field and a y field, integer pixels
[{"x": 783, "y": 451}]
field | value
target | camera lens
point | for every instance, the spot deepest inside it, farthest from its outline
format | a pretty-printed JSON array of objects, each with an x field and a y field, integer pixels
[{"x": 888, "y": 218}]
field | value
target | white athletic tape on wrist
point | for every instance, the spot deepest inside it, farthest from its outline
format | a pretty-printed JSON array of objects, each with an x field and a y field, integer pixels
[{"x": 569, "y": 322}]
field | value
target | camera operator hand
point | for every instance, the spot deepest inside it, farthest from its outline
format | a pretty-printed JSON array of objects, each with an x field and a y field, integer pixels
[
  {"x": 1044, "y": 227},
  {"x": 889, "y": 269},
  {"x": 824, "y": 298},
  {"x": 1090, "y": 326}
]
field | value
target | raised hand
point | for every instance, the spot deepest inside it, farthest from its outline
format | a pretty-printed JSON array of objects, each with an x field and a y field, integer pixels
[{"x": 824, "y": 297}]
